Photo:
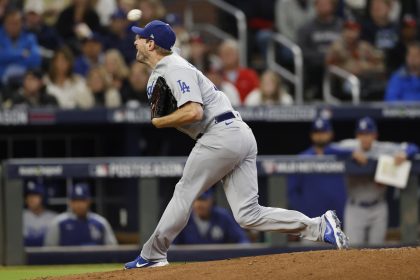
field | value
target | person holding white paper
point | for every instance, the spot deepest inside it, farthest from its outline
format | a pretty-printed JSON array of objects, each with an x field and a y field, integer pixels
[{"x": 366, "y": 211}]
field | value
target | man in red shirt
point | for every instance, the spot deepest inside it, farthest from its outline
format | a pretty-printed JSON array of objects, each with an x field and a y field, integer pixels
[{"x": 244, "y": 79}]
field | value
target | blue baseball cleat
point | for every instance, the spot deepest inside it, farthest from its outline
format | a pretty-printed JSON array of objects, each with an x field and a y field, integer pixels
[
  {"x": 333, "y": 233},
  {"x": 139, "y": 262}
]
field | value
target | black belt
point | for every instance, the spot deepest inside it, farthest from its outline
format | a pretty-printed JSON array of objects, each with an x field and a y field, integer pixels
[
  {"x": 218, "y": 119},
  {"x": 365, "y": 204},
  {"x": 224, "y": 117}
]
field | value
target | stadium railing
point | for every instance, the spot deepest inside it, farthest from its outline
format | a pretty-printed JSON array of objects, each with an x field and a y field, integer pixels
[
  {"x": 149, "y": 169},
  {"x": 238, "y": 14},
  {"x": 295, "y": 78},
  {"x": 352, "y": 80}
]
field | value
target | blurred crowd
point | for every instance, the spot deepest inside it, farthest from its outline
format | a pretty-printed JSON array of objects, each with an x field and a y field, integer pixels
[{"x": 80, "y": 53}]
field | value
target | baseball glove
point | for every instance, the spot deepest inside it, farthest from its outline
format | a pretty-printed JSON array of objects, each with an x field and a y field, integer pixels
[{"x": 162, "y": 101}]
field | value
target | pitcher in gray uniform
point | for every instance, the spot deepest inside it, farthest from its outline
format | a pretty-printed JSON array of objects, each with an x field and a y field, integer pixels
[
  {"x": 225, "y": 150},
  {"x": 366, "y": 211}
]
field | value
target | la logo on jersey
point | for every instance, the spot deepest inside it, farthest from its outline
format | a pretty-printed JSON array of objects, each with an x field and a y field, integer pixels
[
  {"x": 183, "y": 86},
  {"x": 150, "y": 89}
]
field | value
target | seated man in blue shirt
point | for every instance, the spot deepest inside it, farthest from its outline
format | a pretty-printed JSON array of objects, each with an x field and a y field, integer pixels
[
  {"x": 210, "y": 224},
  {"x": 404, "y": 84},
  {"x": 313, "y": 194},
  {"x": 79, "y": 226}
]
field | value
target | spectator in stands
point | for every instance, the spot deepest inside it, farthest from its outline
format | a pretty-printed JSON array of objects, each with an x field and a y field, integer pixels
[
  {"x": 152, "y": 9},
  {"x": 330, "y": 189},
  {"x": 354, "y": 55},
  {"x": 19, "y": 49},
  {"x": 120, "y": 37},
  {"x": 244, "y": 79},
  {"x": 105, "y": 9},
  {"x": 75, "y": 19},
  {"x": 291, "y": 15},
  {"x": 270, "y": 92},
  {"x": 36, "y": 218},
  {"x": 408, "y": 34},
  {"x": 101, "y": 88},
  {"x": 210, "y": 224},
  {"x": 52, "y": 10},
  {"x": 8, "y": 5},
  {"x": 397, "y": 8},
  {"x": 69, "y": 88},
  {"x": 198, "y": 51},
  {"x": 47, "y": 37},
  {"x": 133, "y": 93},
  {"x": 116, "y": 68},
  {"x": 404, "y": 84},
  {"x": 32, "y": 93},
  {"x": 91, "y": 55},
  {"x": 379, "y": 30},
  {"x": 314, "y": 38},
  {"x": 359, "y": 58},
  {"x": 366, "y": 211},
  {"x": 79, "y": 226},
  {"x": 213, "y": 71}
]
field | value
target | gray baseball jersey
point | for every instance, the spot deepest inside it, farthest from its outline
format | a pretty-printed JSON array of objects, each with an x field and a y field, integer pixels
[
  {"x": 35, "y": 226},
  {"x": 226, "y": 151},
  {"x": 189, "y": 84}
]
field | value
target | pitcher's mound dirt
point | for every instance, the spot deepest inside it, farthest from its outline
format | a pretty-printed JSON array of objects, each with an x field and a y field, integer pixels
[{"x": 381, "y": 264}]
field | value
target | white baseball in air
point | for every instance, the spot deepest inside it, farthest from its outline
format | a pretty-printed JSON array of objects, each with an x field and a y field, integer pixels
[{"x": 134, "y": 15}]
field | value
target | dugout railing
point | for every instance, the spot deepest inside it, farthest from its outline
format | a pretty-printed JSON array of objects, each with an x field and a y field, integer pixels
[{"x": 148, "y": 169}]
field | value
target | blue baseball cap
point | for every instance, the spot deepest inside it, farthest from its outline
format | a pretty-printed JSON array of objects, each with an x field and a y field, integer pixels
[
  {"x": 207, "y": 194},
  {"x": 80, "y": 191},
  {"x": 158, "y": 31},
  {"x": 32, "y": 187},
  {"x": 366, "y": 125},
  {"x": 321, "y": 125}
]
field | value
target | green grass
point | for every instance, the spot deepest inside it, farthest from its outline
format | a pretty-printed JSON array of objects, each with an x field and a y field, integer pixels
[{"x": 28, "y": 272}]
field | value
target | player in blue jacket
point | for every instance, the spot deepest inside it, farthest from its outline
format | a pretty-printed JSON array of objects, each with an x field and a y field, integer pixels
[
  {"x": 329, "y": 189},
  {"x": 404, "y": 84},
  {"x": 79, "y": 226},
  {"x": 210, "y": 224}
]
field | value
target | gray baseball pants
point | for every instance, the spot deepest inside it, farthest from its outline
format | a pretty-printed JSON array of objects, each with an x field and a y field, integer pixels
[
  {"x": 366, "y": 225},
  {"x": 227, "y": 151}
]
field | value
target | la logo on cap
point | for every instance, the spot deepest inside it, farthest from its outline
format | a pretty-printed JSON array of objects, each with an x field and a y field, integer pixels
[
  {"x": 319, "y": 124},
  {"x": 79, "y": 191},
  {"x": 363, "y": 125},
  {"x": 31, "y": 185}
]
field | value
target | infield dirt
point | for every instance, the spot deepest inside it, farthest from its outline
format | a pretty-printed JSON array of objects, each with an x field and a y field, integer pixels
[{"x": 402, "y": 263}]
